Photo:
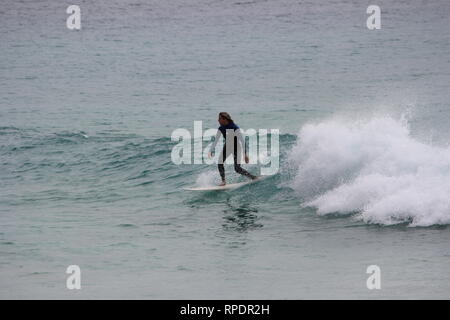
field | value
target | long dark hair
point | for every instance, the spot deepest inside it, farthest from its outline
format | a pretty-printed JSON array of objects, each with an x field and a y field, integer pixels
[{"x": 226, "y": 116}]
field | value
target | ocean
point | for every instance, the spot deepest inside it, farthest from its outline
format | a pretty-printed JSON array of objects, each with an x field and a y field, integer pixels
[{"x": 87, "y": 178}]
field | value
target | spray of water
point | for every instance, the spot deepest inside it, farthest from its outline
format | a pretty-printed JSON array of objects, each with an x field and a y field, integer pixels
[{"x": 373, "y": 168}]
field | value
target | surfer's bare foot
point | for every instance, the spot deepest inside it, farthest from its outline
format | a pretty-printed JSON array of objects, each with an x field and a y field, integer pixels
[{"x": 222, "y": 184}]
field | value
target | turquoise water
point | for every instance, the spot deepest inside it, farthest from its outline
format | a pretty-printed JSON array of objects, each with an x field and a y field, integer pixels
[{"x": 87, "y": 178}]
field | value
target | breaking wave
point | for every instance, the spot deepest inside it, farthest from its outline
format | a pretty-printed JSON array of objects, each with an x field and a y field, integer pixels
[{"x": 374, "y": 169}]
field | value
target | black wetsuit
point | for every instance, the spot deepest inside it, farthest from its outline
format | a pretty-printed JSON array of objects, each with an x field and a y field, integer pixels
[{"x": 236, "y": 150}]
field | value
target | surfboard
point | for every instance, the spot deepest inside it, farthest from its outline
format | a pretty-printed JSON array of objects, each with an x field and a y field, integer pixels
[{"x": 225, "y": 187}]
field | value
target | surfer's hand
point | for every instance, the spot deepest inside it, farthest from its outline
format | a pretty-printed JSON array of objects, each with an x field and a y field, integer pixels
[
  {"x": 246, "y": 158},
  {"x": 210, "y": 155}
]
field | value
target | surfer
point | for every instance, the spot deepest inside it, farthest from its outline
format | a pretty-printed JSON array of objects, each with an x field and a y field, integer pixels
[{"x": 227, "y": 125}]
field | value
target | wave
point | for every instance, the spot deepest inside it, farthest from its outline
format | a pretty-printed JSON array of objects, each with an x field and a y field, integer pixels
[{"x": 374, "y": 169}]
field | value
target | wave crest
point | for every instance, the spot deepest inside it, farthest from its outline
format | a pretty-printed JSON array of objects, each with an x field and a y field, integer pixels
[{"x": 374, "y": 168}]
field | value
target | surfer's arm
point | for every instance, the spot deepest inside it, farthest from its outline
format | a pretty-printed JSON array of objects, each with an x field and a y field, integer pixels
[
  {"x": 213, "y": 146},
  {"x": 238, "y": 134}
]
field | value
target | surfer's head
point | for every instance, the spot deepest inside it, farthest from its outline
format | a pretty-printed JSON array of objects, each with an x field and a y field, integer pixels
[{"x": 225, "y": 118}]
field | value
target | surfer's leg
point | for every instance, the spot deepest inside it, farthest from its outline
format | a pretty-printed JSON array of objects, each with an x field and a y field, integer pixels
[
  {"x": 221, "y": 171},
  {"x": 240, "y": 170},
  {"x": 220, "y": 165},
  {"x": 237, "y": 165}
]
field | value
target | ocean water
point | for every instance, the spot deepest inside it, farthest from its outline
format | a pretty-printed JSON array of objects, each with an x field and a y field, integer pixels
[{"x": 85, "y": 149}]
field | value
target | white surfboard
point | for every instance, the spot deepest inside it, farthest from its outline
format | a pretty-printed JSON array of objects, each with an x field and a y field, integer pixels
[{"x": 225, "y": 187}]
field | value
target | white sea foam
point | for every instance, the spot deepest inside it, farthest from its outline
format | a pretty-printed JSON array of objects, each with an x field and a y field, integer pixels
[
  {"x": 373, "y": 168},
  {"x": 207, "y": 178}
]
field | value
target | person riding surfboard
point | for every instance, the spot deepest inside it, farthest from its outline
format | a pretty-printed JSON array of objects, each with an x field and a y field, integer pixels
[{"x": 231, "y": 146}]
